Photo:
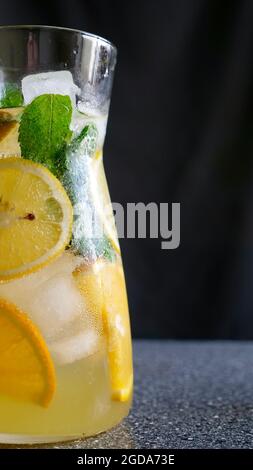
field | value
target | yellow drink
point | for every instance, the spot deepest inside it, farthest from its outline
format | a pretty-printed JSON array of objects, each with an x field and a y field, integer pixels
[
  {"x": 81, "y": 407},
  {"x": 65, "y": 343}
]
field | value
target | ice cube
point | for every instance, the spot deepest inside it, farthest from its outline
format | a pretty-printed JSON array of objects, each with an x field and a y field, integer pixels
[
  {"x": 73, "y": 348},
  {"x": 86, "y": 115},
  {"x": 52, "y": 300},
  {"x": 60, "y": 83},
  {"x": 19, "y": 291},
  {"x": 50, "y": 296},
  {"x": 55, "y": 304}
]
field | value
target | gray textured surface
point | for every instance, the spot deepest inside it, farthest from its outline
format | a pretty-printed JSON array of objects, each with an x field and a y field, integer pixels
[{"x": 187, "y": 395}]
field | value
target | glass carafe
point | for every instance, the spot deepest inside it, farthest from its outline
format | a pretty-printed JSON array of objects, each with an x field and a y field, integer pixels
[{"x": 65, "y": 343}]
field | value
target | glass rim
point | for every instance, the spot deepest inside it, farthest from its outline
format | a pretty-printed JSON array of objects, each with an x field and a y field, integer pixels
[{"x": 59, "y": 28}]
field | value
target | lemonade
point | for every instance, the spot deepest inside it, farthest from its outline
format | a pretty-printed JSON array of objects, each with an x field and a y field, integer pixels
[{"x": 65, "y": 343}]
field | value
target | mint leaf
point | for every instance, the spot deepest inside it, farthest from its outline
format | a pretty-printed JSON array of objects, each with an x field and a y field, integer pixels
[
  {"x": 88, "y": 139},
  {"x": 11, "y": 96},
  {"x": 105, "y": 249},
  {"x": 98, "y": 247},
  {"x": 76, "y": 165},
  {"x": 76, "y": 182},
  {"x": 44, "y": 131}
]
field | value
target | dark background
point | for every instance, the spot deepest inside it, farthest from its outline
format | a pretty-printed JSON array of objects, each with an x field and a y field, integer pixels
[{"x": 180, "y": 130}]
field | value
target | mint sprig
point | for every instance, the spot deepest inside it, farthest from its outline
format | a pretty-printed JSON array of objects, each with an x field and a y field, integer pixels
[
  {"x": 88, "y": 139},
  {"x": 104, "y": 249},
  {"x": 90, "y": 248},
  {"x": 45, "y": 138},
  {"x": 11, "y": 96},
  {"x": 76, "y": 182},
  {"x": 45, "y": 131},
  {"x": 75, "y": 163}
]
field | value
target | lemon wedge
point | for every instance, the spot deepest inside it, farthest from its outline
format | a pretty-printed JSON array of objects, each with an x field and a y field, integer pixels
[
  {"x": 117, "y": 325},
  {"x": 103, "y": 286}
]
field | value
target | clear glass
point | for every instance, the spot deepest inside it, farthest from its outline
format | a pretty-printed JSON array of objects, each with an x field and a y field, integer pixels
[{"x": 65, "y": 342}]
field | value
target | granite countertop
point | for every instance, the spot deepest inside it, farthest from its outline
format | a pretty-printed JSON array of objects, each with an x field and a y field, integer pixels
[{"x": 187, "y": 395}]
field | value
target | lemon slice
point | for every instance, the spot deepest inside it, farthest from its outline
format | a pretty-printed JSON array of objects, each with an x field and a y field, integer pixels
[
  {"x": 35, "y": 217},
  {"x": 11, "y": 114},
  {"x": 103, "y": 285},
  {"x": 102, "y": 201},
  {"x": 9, "y": 138},
  {"x": 9, "y": 126},
  {"x": 117, "y": 324},
  {"x": 26, "y": 368},
  {"x": 87, "y": 278}
]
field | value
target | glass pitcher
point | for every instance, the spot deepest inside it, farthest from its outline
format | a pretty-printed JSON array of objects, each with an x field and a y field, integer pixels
[{"x": 65, "y": 343}]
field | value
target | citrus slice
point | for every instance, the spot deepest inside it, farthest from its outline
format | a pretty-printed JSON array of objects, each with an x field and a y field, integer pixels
[
  {"x": 117, "y": 324},
  {"x": 88, "y": 280},
  {"x": 35, "y": 217},
  {"x": 9, "y": 126},
  {"x": 26, "y": 368},
  {"x": 9, "y": 138},
  {"x": 11, "y": 114},
  {"x": 102, "y": 201},
  {"x": 103, "y": 286}
]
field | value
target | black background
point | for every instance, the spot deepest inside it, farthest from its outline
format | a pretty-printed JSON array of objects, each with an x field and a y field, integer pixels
[{"x": 180, "y": 130}]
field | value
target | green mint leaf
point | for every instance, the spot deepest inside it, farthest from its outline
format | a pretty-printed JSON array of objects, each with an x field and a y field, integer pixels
[
  {"x": 11, "y": 96},
  {"x": 45, "y": 131},
  {"x": 104, "y": 249},
  {"x": 76, "y": 165},
  {"x": 86, "y": 141},
  {"x": 75, "y": 143},
  {"x": 98, "y": 247},
  {"x": 76, "y": 182}
]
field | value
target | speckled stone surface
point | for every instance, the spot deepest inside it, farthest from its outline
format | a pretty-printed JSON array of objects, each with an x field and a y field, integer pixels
[{"x": 187, "y": 395}]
